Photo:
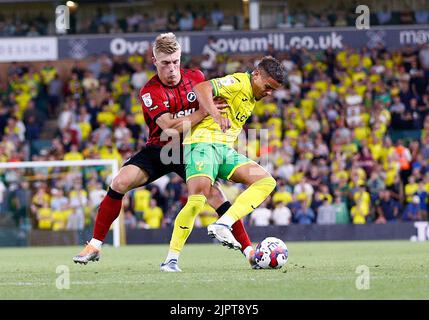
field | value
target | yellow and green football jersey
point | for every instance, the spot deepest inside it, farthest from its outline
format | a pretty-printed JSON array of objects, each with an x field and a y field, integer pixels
[{"x": 236, "y": 89}]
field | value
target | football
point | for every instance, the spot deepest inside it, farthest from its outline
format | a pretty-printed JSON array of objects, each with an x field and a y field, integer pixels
[{"x": 271, "y": 253}]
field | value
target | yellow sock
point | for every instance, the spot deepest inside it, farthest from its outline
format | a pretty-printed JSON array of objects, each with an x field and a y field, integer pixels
[
  {"x": 249, "y": 200},
  {"x": 185, "y": 221}
]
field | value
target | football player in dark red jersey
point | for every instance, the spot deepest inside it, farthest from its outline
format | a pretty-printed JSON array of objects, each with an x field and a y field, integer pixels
[{"x": 168, "y": 102}]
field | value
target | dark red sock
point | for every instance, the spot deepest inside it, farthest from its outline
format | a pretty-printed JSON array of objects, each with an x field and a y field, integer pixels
[
  {"x": 240, "y": 234},
  {"x": 108, "y": 211},
  {"x": 238, "y": 230}
]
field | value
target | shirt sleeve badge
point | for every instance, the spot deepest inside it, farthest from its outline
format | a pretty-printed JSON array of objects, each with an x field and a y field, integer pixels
[{"x": 147, "y": 100}]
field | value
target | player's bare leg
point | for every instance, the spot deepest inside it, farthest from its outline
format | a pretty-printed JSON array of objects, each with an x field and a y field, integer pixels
[{"x": 128, "y": 177}]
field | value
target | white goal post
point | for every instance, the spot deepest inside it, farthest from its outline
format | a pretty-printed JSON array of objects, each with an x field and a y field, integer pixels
[{"x": 72, "y": 163}]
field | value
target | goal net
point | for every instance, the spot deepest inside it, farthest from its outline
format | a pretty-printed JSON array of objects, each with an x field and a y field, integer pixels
[{"x": 51, "y": 197}]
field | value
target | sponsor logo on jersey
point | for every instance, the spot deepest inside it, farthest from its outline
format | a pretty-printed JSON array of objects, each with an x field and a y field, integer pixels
[
  {"x": 147, "y": 100},
  {"x": 167, "y": 104},
  {"x": 153, "y": 108},
  {"x": 226, "y": 81},
  {"x": 183, "y": 113},
  {"x": 191, "y": 96}
]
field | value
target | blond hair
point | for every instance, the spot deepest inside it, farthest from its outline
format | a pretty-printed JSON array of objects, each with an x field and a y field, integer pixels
[{"x": 166, "y": 43}]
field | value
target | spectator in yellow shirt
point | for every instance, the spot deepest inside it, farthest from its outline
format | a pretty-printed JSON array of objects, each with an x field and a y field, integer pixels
[
  {"x": 361, "y": 195},
  {"x": 73, "y": 154},
  {"x": 282, "y": 195},
  {"x": 40, "y": 197},
  {"x": 153, "y": 216},
  {"x": 410, "y": 188},
  {"x": 359, "y": 212},
  {"x": 141, "y": 201}
]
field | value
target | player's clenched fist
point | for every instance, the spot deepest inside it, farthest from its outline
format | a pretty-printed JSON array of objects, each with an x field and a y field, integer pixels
[
  {"x": 220, "y": 104},
  {"x": 223, "y": 122}
]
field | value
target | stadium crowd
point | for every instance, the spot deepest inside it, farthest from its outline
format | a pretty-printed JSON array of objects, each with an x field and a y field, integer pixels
[
  {"x": 334, "y": 139},
  {"x": 197, "y": 18}
]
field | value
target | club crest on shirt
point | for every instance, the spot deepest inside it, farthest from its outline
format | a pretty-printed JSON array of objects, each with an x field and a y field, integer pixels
[
  {"x": 147, "y": 100},
  {"x": 191, "y": 96},
  {"x": 199, "y": 165}
]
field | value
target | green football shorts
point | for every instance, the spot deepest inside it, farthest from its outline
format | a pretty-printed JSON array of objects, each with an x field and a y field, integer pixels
[{"x": 213, "y": 160}]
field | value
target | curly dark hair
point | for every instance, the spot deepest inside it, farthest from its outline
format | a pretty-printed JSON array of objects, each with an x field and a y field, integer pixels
[{"x": 273, "y": 68}]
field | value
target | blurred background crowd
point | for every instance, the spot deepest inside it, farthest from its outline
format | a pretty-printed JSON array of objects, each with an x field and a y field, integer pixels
[
  {"x": 159, "y": 16},
  {"x": 348, "y": 137}
]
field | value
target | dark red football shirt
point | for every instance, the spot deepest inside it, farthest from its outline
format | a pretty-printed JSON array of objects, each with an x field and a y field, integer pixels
[{"x": 179, "y": 100}]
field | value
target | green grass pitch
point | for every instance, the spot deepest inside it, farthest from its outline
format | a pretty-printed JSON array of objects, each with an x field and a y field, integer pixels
[{"x": 315, "y": 270}]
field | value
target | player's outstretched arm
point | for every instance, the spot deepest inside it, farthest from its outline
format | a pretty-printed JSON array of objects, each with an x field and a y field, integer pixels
[
  {"x": 204, "y": 93},
  {"x": 166, "y": 121}
]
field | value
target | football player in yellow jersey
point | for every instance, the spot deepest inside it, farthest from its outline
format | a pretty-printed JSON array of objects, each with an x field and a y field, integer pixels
[{"x": 209, "y": 152}]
